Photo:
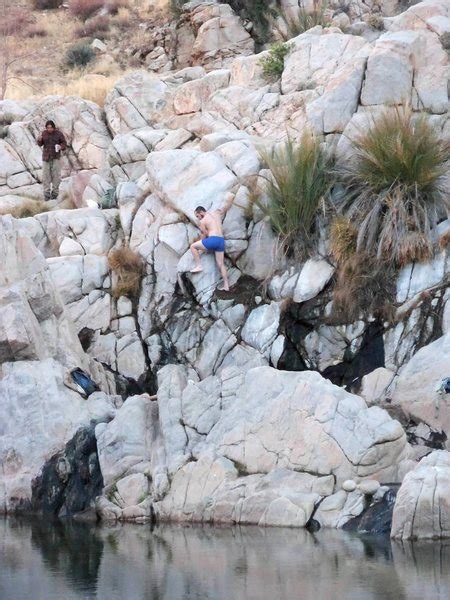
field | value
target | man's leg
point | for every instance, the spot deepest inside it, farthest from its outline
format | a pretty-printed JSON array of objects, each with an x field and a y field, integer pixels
[
  {"x": 56, "y": 177},
  {"x": 46, "y": 179},
  {"x": 220, "y": 260},
  {"x": 197, "y": 248}
]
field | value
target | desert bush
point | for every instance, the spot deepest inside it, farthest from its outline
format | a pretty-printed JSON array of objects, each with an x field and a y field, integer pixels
[
  {"x": 299, "y": 184},
  {"x": 28, "y": 208},
  {"x": 306, "y": 19},
  {"x": 91, "y": 87},
  {"x": 364, "y": 285},
  {"x": 129, "y": 268},
  {"x": 393, "y": 186},
  {"x": 96, "y": 27},
  {"x": 46, "y": 4},
  {"x": 79, "y": 55},
  {"x": 343, "y": 236},
  {"x": 37, "y": 31},
  {"x": 273, "y": 64},
  {"x": 83, "y": 9}
]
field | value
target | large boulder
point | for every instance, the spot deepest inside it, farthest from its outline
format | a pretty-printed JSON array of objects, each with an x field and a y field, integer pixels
[
  {"x": 416, "y": 388},
  {"x": 422, "y": 508},
  {"x": 263, "y": 446}
]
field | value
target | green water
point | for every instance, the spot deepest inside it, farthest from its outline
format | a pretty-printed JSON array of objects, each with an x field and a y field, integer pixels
[{"x": 69, "y": 561}]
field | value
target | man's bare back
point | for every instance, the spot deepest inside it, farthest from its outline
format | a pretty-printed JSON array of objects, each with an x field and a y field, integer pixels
[
  {"x": 211, "y": 224},
  {"x": 212, "y": 239}
]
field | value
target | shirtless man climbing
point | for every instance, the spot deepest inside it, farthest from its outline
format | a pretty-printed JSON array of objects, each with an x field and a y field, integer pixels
[{"x": 212, "y": 239}]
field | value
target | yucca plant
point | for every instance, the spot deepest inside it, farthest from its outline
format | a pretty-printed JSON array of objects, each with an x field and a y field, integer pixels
[
  {"x": 394, "y": 186},
  {"x": 298, "y": 187}
]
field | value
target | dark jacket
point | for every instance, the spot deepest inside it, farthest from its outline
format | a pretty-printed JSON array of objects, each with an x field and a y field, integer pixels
[{"x": 48, "y": 141}]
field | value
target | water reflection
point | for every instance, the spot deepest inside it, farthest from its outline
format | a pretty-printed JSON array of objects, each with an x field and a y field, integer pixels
[{"x": 47, "y": 561}]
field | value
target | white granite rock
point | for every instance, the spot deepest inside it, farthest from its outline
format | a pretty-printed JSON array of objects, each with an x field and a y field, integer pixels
[{"x": 422, "y": 507}]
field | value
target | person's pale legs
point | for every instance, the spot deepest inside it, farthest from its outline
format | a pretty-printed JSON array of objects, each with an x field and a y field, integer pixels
[
  {"x": 197, "y": 248},
  {"x": 220, "y": 260},
  {"x": 56, "y": 177},
  {"x": 51, "y": 178},
  {"x": 47, "y": 179}
]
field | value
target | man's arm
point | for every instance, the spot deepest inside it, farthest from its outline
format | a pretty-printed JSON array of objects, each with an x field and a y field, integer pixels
[
  {"x": 40, "y": 140},
  {"x": 228, "y": 204}
]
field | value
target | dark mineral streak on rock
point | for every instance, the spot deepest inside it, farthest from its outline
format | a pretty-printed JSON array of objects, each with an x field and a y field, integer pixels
[
  {"x": 71, "y": 479},
  {"x": 376, "y": 517}
]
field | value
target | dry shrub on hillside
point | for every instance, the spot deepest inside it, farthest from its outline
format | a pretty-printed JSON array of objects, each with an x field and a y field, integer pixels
[
  {"x": 37, "y": 31},
  {"x": 46, "y": 4},
  {"x": 394, "y": 186},
  {"x": 129, "y": 268},
  {"x": 113, "y": 6},
  {"x": 96, "y": 27},
  {"x": 83, "y": 9},
  {"x": 14, "y": 20},
  {"x": 364, "y": 285}
]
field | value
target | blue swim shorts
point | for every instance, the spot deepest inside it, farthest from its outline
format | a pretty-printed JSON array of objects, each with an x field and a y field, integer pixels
[{"x": 214, "y": 243}]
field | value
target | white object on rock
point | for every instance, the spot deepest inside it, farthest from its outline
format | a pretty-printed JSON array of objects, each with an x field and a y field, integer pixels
[{"x": 349, "y": 485}]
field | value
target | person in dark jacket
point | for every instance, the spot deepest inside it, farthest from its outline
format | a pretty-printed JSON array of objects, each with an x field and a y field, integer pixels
[{"x": 53, "y": 144}]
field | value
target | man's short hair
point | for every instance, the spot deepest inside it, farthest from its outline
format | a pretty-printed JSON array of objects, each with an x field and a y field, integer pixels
[
  {"x": 200, "y": 209},
  {"x": 50, "y": 122}
]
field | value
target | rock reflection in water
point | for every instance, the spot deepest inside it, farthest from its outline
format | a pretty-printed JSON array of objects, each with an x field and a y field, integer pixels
[{"x": 67, "y": 560}]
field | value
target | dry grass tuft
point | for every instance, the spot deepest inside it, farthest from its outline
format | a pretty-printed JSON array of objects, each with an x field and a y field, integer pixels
[
  {"x": 129, "y": 268},
  {"x": 444, "y": 240},
  {"x": 91, "y": 87},
  {"x": 28, "y": 208},
  {"x": 343, "y": 236}
]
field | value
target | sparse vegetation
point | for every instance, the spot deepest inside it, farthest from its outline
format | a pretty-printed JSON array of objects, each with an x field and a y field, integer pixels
[
  {"x": 273, "y": 64},
  {"x": 343, "y": 235},
  {"x": 298, "y": 187},
  {"x": 393, "y": 183},
  {"x": 79, "y": 55},
  {"x": 97, "y": 27},
  {"x": 306, "y": 19},
  {"x": 375, "y": 21},
  {"x": 46, "y": 4},
  {"x": 129, "y": 268}
]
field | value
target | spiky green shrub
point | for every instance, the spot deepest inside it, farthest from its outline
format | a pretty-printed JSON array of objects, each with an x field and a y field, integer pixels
[
  {"x": 298, "y": 187},
  {"x": 273, "y": 63},
  {"x": 394, "y": 186},
  {"x": 79, "y": 55}
]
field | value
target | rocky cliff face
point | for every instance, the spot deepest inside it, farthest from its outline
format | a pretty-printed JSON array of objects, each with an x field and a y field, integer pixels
[{"x": 252, "y": 423}]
